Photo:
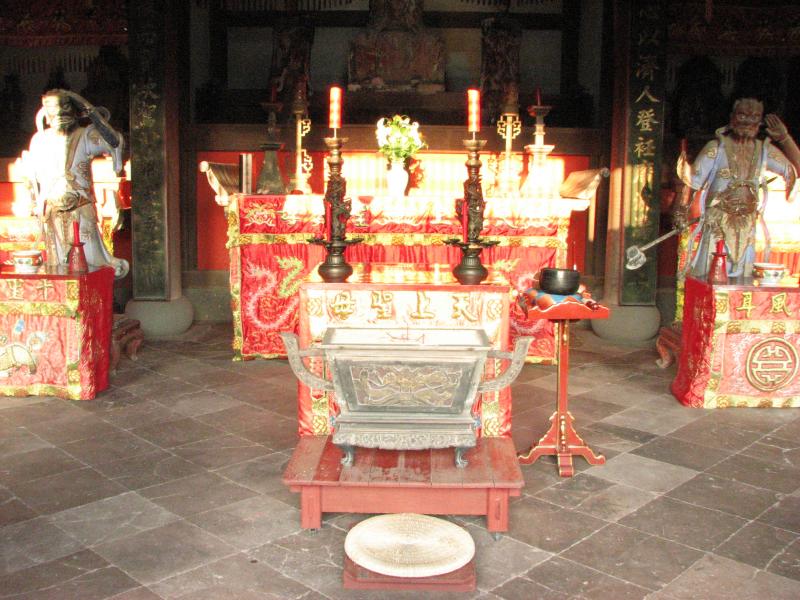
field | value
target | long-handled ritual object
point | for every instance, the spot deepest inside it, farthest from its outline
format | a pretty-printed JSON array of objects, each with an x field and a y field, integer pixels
[{"x": 634, "y": 255}]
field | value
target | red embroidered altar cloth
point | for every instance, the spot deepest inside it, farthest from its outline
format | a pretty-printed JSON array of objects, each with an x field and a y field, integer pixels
[
  {"x": 739, "y": 346},
  {"x": 55, "y": 333},
  {"x": 407, "y": 295},
  {"x": 270, "y": 256}
]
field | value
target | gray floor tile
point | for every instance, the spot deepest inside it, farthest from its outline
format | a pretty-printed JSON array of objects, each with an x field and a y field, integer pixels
[
  {"x": 170, "y": 434},
  {"x": 634, "y": 556},
  {"x": 644, "y": 473},
  {"x": 65, "y": 490},
  {"x": 26, "y": 466},
  {"x": 715, "y": 577},
  {"x": 235, "y": 577},
  {"x": 687, "y": 524},
  {"x": 550, "y": 527},
  {"x": 756, "y": 544},
  {"x": 111, "y": 519},
  {"x": 33, "y": 542},
  {"x": 83, "y": 575},
  {"x": 148, "y": 469},
  {"x": 163, "y": 552},
  {"x": 682, "y": 453},
  {"x": 250, "y": 523},
  {"x": 578, "y": 581},
  {"x": 673, "y": 473},
  {"x": 784, "y": 514},
  {"x": 758, "y": 473},
  {"x": 787, "y": 562},
  {"x": 196, "y": 493},
  {"x": 726, "y": 495},
  {"x": 221, "y": 451}
]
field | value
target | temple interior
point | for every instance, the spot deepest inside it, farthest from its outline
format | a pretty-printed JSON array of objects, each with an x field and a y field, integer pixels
[{"x": 161, "y": 438}]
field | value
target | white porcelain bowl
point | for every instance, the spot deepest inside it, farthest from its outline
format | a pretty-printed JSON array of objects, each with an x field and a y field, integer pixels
[
  {"x": 768, "y": 273},
  {"x": 27, "y": 261}
]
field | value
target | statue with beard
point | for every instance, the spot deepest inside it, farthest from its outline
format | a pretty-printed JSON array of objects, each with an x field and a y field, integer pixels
[
  {"x": 58, "y": 169},
  {"x": 730, "y": 173}
]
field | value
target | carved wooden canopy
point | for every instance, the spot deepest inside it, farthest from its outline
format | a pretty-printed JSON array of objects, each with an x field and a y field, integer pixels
[{"x": 63, "y": 23}]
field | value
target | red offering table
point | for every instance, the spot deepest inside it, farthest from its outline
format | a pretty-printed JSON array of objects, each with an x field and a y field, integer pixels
[
  {"x": 270, "y": 255},
  {"x": 739, "y": 346},
  {"x": 418, "y": 481},
  {"x": 561, "y": 438},
  {"x": 56, "y": 333}
]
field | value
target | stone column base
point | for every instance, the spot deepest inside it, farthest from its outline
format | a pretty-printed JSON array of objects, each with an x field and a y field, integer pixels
[
  {"x": 161, "y": 318},
  {"x": 628, "y": 324}
]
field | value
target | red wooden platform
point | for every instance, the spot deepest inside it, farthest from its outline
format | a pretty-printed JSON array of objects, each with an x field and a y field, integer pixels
[
  {"x": 418, "y": 481},
  {"x": 356, "y": 577}
]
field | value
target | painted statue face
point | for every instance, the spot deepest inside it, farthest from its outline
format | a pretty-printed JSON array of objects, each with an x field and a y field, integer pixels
[
  {"x": 59, "y": 112},
  {"x": 746, "y": 118}
]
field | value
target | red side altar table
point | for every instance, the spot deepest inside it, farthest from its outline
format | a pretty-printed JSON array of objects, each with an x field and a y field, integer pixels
[
  {"x": 55, "y": 333},
  {"x": 389, "y": 481},
  {"x": 561, "y": 438},
  {"x": 739, "y": 346}
]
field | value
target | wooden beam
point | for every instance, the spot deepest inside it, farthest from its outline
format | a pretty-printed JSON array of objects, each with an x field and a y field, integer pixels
[{"x": 359, "y": 18}]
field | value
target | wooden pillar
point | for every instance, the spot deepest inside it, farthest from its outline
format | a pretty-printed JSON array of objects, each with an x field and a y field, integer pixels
[
  {"x": 636, "y": 150},
  {"x": 156, "y": 81}
]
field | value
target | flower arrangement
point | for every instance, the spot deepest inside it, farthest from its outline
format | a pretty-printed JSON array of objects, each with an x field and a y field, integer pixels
[{"x": 398, "y": 138}]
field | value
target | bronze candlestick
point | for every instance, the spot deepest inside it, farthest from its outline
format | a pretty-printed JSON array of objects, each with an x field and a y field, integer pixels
[
  {"x": 337, "y": 211},
  {"x": 470, "y": 271}
]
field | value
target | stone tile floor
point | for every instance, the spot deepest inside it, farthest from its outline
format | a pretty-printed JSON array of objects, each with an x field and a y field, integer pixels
[{"x": 168, "y": 485}]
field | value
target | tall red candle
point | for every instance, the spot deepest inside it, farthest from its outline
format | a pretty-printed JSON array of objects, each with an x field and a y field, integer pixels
[
  {"x": 465, "y": 222},
  {"x": 76, "y": 232},
  {"x": 328, "y": 224},
  {"x": 473, "y": 110},
  {"x": 335, "y": 109}
]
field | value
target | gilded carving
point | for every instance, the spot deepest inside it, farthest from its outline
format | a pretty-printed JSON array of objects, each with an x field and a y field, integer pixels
[
  {"x": 422, "y": 310},
  {"x": 464, "y": 305},
  {"x": 747, "y": 303},
  {"x": 383, "y": 303},
  {"x": 771, "y": 364},
  {"x": 779, "y": 304},
  {"x": 343, "y": 305}
]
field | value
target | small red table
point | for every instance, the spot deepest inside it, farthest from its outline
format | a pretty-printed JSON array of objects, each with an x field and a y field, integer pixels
[
  {"x": 55, "y": 332},
  {"x": 740, "y": 345},
  {"x": 561, "y": 438}
]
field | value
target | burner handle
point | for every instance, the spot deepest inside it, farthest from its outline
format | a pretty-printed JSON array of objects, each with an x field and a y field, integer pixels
[
  {"x": 296, "y": 356},
  {"x": 517, "y": 359}
]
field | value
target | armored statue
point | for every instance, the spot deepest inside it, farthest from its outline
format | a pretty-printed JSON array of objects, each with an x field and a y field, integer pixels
[
  {"x": 730, "y": 172},
  {"x": 58, "y": 169}
]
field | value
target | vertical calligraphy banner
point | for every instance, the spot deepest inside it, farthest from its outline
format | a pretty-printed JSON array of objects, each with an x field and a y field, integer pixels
[{"x": 644, "y": 143}]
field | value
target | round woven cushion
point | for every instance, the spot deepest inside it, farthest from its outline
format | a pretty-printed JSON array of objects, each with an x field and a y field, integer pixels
[{"x": 409, "y": 545}]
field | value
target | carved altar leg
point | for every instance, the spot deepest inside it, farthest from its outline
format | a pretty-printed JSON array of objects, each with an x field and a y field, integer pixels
[
  {"x": 461, "y": 462},
  {"x": 561, "y": 439},
  {"x": 349, "y": 455}
]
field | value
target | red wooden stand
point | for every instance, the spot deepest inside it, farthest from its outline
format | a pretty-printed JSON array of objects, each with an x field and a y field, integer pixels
[
  {"x": 418, "y": 481},
  {"x": 561, "y": 438},
  {"x": 356, "y": 577}
]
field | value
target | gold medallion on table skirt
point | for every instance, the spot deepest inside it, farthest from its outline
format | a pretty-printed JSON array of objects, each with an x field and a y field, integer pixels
[{"x": 771, "y": 364}]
